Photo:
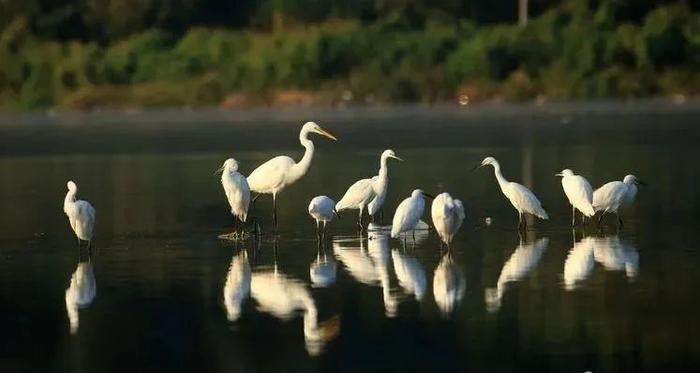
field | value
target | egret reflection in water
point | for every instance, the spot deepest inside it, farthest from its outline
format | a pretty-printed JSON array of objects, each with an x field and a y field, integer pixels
[
  {"x": 81, "y": 292},
  {"x": 283, "y": 297},
  {"x": 521, "y": 262},
  {"x": 449, "y": 284},
  {"x": 410, "y": 273},
  {"x": 616, "y": 255},
  {"x": 322, "y": 270},
  {"x": 237, "y": 286}
]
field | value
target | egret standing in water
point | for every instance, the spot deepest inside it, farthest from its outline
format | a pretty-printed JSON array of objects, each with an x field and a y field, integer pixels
[
  {"x": 366, "y": 192},
  {"x": 322, "y": 209},
  {"x": 616, "y": 194},
  {"x": 408, "y": 213},
  {"x": 276, "y": 174},
  {"x": 579, "y": 192},
  {"x": 519, "y": 196},
  {"x": 236, "y": 189},
  {"x": 81, "y": 214},
  {"x": 448, "y": 214}
]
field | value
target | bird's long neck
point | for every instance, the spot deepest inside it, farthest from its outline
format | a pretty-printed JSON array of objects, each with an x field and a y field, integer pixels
[
  {"x": 70, "y": 198},
  {"x": 300, "y": 168},
  {"x": 383, "y": 175},
  {"x": 502, "y": 182}
]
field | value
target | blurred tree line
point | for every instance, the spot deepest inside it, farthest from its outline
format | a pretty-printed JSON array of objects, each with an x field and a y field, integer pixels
[{"x": 196, "y": 52}]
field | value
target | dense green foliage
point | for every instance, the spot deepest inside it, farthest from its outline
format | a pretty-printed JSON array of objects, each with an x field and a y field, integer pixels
[{"x": 579, "y": 49}]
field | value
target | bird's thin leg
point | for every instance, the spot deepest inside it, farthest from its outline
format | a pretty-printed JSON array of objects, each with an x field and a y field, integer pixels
[
  {"x": 318, "y": 229},
  {"x": 619, "y": 221},
  {"x": 381, "y": 217},
  {"x": 359, "y": 221},
  {"x": 274, "y": 210},
  {"x": 324, "y": 229},
  {"x": 520, "y": 221},
  {"x": 600, "y": 219},
  {"x": 573, "y": 216}
]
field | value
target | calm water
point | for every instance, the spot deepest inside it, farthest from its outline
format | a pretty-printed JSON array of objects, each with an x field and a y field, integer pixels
[{"x": 159, "y": 290}]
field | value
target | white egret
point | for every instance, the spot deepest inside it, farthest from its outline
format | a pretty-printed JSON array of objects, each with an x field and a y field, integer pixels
[
  {"x": 276, "y": 174},
  {"x": 579, "y": 192},
  {"x": 519, "y": 196},
  {"x": 610, "y": 197},
  {"x": 283, "y": 297},
  {"x": 80, "y": 294},
  {"x": 81, "y": 214},
  {"x": 449, "y": 284},
  {"x": 368, "y": 191},
  {"x": 447, "y": 214},
  {"x": 408, "y": 213},
  {"x": 521, "y": 262},
  {"x": 236, "y": 189},
  {"x": 237, "y": 286},
  {"x": 410, "y": 274},
  {"x": 322, "y": 209},
  {"x": 579, "y": 263}
]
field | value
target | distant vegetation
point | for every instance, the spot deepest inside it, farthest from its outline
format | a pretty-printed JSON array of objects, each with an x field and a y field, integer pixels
[{"x": 576, "y": 50}]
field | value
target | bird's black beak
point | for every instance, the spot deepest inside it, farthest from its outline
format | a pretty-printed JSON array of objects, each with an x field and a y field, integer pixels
[
  {"x": 428, "y": 195},
  {"x": 640, "y": 182},
  {"x": 476, "y": 167},
  {"x": 335, "y": 212}
]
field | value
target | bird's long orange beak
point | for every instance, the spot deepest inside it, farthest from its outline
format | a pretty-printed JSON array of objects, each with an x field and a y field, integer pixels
[{"x": 323, "y": 132}]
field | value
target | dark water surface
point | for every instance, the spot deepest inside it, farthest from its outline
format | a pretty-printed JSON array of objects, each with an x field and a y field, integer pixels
[{"x": 160, "y": 291}]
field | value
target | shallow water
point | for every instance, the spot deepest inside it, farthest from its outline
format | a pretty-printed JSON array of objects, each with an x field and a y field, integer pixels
[{"x": 159, "y": 290}]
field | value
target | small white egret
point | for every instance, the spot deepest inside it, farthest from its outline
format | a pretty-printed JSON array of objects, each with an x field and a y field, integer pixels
[
  {"x": 408, "y": 213},
  {"x": 447, "y": 214},
  {"x": 610, "y": 197},
  {"x": 519, "y": 196},
  {"x": 322, "y": 209},
  {"x": 237, "y": 286},
  {"x": 81, "y": 214},
  {"x": 276, "y": 174},
  {"x": 579, "y": 192},
  {"x": 236, "y": 189},
  {"x": 80, "y": 293},
  {"x": 368, "y": 191},
  {"x": 449, "y": 285}
]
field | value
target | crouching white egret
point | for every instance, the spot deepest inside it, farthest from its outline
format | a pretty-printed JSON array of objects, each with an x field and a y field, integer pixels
[
  {"x": 236, "y": 189},
  {"x": 579, "y": 192},
  {"x": 276, "y": 174},
  {"x": 370, "y": 191},
  {"x": 408, "y": 213},
  {"x": 81, "y": 214},
  {"x": 447, "y": 214},
  {"x": 322, "y": 209},
  {"x": 614, "y": 195},
  {"x": 519, "y": 196}
]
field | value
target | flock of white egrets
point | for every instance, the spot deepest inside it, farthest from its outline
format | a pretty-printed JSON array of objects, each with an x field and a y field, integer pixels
[{"x": 447, "y": 213}]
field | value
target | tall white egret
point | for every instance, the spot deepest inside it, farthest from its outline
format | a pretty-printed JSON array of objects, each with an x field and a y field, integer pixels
[
  {"x": 410, "y": 274},
  {"x": 81, "y": 214},
  {"x": 521, "y": 262},
  {"x": 80, "y": 293},
  {"x": 610, "y": 197},
  {"x": 579, "y": 192},
  {"x": 449, "y": 284},
  {"x": 236, "y": 189},
  {"x": 276, "y": 174},
  {"x": 368, "y": 191},
  {"x": 519, "y": 196},
  {"x": 237, "y": 286},
  {"x": 322, "y": 209},
  {"x": 447, "y": 214},
  {"x": 408, "y": 213}
]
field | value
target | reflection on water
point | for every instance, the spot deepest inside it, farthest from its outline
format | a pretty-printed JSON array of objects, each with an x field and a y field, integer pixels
[
  {"x": 523, "y": 260},
  {"x": 81, "y": 292},
  {"x": 237, "y": 286},
  {"x": 449, "y": 284},
  {"x": 322, "y": 270},
  {"x": 410, "y": 273},
  {"x": 579, "y": 263},
  {"x": 616, "y": 255}
]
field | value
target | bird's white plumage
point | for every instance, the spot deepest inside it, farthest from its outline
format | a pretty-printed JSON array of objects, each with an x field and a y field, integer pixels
[
  {"x": 357, "y": 196},
  {"x": 579, "y": 192},
  {"x": 408, "y": 213},
  {"x": 615, "y": 194},
  {"x": 81, "y": 214},
  {"x": 381, "y": 182},
  {"x": 279, "y": 172},
  {"x": 447, "y": 214},
  {"x": 237, "y": 286},
  {"x": 236, "y": 189},
  {"x": 322, "y": 209},
  {"x": 519, "y": 196},
  {"x": 80, "y": 294}
]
